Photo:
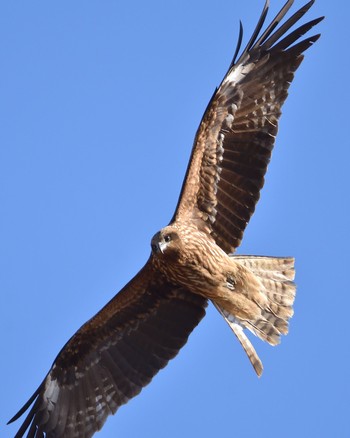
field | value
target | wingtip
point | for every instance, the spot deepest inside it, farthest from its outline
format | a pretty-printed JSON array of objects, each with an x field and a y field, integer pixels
[
  {"x": 315, "y": 38},
  {"x": 309, "y": 4},
  {"x": 314, "y": 22},
  {"x": 306, "y": 7},
  {"x": 25, "y": 407},
  {"x": 239, "y": 42},
  {"x": 319, "y": 19}
]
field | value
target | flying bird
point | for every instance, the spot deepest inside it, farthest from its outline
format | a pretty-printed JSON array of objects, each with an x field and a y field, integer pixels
[{"x": 118, "y": 351}]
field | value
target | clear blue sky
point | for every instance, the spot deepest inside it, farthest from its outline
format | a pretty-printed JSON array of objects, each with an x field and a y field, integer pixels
[{"x": 100, "y": 101}]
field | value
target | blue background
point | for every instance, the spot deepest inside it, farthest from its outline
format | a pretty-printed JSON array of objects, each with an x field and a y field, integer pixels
[{"x": 100, "y": 101}]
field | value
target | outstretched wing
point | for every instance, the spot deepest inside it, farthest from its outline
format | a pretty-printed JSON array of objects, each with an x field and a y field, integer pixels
[
  {"x": 233, "y": 144},
  {"x": 112, "y": 357}
]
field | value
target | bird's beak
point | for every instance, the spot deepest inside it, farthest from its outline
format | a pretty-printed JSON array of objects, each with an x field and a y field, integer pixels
[
  {"x": 158, "y": 244},
  {"x": 161, "y": 246},
  {"x": 158, "y": 247}
]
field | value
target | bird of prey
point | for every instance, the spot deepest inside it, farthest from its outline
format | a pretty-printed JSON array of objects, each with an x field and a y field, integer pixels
[{"x": 118, "y": 351}]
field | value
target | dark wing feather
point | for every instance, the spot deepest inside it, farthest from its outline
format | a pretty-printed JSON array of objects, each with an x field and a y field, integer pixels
[
  {"x": 112, "y": 357},
  {"x": 236, "y": 136}
]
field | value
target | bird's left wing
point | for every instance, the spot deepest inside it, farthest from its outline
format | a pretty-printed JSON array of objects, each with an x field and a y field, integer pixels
[
  {"x": 112, "y": 357},
  {"x": 234, "y": 141}
]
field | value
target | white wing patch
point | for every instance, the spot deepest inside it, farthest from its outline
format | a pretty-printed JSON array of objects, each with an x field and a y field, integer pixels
[
  {"x": 237, "y": 73},
  {"x": 51, "y": 393}
]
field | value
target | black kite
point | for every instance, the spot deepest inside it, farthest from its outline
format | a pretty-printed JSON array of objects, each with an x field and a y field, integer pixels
[{"x": 117, "y": 352}]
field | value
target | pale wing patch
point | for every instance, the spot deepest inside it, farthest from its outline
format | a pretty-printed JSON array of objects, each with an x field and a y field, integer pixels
[
  {"x": 51, "y": 393},
  {"x": 238, "y": 73}
]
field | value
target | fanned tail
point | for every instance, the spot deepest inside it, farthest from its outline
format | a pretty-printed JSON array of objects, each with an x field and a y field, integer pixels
[
  {"x": 270, "y": 288},
  {"x": 276, "y": 275}
]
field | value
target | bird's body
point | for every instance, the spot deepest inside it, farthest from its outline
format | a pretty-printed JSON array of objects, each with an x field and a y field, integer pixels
[
  {"x": 118, "y": 351},
  {"x": 192, "y": 260},
  {"x": 186, "y": 256}
]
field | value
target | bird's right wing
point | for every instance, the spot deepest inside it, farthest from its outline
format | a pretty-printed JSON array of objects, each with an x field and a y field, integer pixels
[{"x": 112, "y": 357}]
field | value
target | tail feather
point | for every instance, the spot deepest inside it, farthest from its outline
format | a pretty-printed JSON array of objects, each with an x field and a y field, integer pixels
[
  {"x": 237, "y": 329},
  {"x": 276, "y": 275},
  {"x": 268, "y": 283}
]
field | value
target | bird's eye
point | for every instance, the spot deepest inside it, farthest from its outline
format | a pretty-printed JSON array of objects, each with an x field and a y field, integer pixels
[{"x": 167, "y": 238}]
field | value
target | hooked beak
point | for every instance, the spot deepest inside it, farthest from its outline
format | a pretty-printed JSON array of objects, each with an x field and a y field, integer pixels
[
  {"x": 161, "y": 246},
  {"x": 158, "y": 247}
]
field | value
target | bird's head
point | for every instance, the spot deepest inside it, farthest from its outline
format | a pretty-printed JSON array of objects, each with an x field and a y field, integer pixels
[{"x": 166, "y": 242}]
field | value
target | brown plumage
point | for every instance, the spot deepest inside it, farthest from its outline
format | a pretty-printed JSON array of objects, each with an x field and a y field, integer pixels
[{"x": 117, "y": 352}]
